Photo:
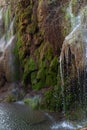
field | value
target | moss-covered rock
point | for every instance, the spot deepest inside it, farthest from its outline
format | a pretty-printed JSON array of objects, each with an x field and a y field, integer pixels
[
  {"x": 38, "y": 45},
  {"x": 53, "y": 99},
  {"x": 33, "y": 102},
  {"x": 29, "y": 67}
]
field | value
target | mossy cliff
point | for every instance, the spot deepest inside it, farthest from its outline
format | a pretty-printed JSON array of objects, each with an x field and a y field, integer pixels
[{"x": 40, "y": 34}]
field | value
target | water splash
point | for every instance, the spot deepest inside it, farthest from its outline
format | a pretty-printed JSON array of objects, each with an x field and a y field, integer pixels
[{"x": 65, "y": 126}]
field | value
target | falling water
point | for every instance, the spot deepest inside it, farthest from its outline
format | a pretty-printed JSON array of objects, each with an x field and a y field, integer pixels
[
  {"x": 72, "y": 18},
  {"x": 61, "y": 72},
  {"x": 7, "y": 36},
  {"x": 75, "y": 20},
  {"x": 62, "y": 84},
  {"x": 84, "y": 33},
  {"x": 80, "y": 87},
  {"x": 7, "y": 39}
]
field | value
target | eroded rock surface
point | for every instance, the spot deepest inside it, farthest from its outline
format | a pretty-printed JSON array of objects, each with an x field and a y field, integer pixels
[{"x": 74, "y": 46}]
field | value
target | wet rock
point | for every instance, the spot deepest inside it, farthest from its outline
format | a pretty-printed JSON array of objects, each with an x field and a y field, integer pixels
[
  {"x": 2, "y": 80},
  {"x": 8, "y": 61},
  {"x": 17, "y": 91},
  {"x": 2, "y": 2},
  {"x": 53, "y": 27},
  {"x": 34, "y": 102},
  {"x": 73, "y": 48}
]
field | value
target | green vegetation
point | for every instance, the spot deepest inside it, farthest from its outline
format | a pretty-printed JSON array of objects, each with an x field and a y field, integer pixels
[
  {"x": 11, "y": 98},
  {"x": 39, "y": 63},
  {"x": 33, "y": 102}
]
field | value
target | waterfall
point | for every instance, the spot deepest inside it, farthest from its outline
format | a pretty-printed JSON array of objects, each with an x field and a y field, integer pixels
[
  {"x": 73, "y": 63},
  {"x": 75, "y": 20},
  {"x": 7, "y": 40},
  {"x": 62, "y": 85}
]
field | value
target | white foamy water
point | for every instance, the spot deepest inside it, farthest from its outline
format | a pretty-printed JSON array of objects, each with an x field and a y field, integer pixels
[
  {"x": 1, "y": 12},
  {"x": 65, "y": 126},
  {"x": 73, "y": 32},
  {"x": 8, "y": 36},
  {"x": 2, "y": 43},
  {"x": 10, "y": 41},
  {"x": 11, "y": 30}
]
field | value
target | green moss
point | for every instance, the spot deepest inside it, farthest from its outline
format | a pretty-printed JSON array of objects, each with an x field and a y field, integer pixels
[
  {"x": 53, "y": 99},
  {"x": 29, "y": 67},
  {"x": 51, "y": 78},
  {"x": 40, "y": 80},
  {"x": 51, "y": 73},
  {"x": 31, "y": 28},
  {"x": 40, "y": 66},
  {"x": 33, "y": 79},
  {"x": 46, "y": 75},
  {"x": 23, "y": 17},
  {"x": 17, "y": 45},
  {"x": 10, "y": 98},
  {"x": 47, "y": 71},
  {"x": 46, "y": 52},
  {"x": 17, "y": 58},
  {"x": 74, "y": 4},
  {"x": 33, "y": 102},
  {"x": 7, "y": 17},
  {"x": 54, "y": 64}
]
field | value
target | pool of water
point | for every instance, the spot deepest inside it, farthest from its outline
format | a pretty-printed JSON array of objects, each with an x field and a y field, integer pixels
[{"x": 18, "y": 116}]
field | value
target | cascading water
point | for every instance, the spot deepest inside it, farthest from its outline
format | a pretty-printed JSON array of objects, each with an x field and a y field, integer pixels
[
  {"x": 75, "y": 24},
  {"x": 84, "y": 33},
  {"x": 7, "y": 40},
  {"x": 74, "y": 55}
]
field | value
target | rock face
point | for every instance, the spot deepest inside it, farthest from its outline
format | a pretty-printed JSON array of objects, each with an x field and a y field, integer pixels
[
  {"x": 52, "y": 20},
  {"x": 41, "y": 28},
  {"x": 2, "y": 2},
  {"x": 8, "y": 61},
  {"x": 41, "y": 34},
  {"x": 73, "y": 49},
  {"x": 7, "y": 40},
  {"x": 73, "y": 60},
  {"x": 74, "y": 46}
]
